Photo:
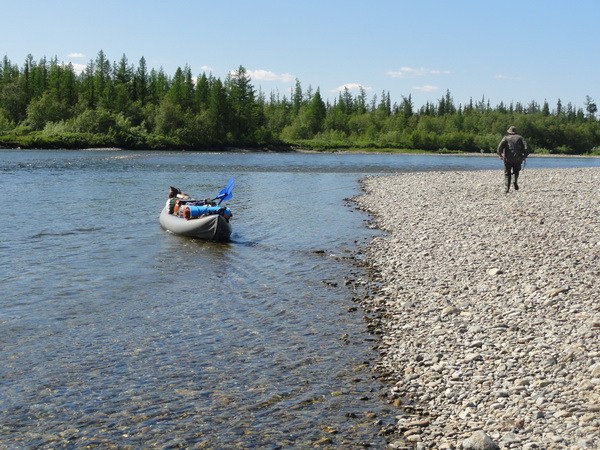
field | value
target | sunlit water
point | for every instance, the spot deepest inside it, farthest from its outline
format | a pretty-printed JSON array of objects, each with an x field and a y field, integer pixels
[{"x": 115, "y": 332}]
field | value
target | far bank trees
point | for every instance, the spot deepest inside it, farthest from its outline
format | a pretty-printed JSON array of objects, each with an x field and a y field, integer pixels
[{"x": 45, "y": 103}]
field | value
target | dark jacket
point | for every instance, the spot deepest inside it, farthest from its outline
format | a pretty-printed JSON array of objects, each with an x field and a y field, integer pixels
[{"x": 513, "y": 148}]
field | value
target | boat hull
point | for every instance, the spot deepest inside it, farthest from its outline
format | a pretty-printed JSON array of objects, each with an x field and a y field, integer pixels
[{"x": 212, "y": 228}]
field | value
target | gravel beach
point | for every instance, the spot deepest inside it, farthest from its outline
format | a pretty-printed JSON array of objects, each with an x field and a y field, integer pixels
[{"x": 488, "y": 307}]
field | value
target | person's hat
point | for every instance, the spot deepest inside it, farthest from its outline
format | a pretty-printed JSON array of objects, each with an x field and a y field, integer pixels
[
  {"x": 512, "y": 130},
  {"x": 173, "y": 192}
]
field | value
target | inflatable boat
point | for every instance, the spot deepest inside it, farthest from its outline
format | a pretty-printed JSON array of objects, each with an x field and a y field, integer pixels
[
  {"x": 212, "y": 227},
  {"x": 202, "y": 219}
]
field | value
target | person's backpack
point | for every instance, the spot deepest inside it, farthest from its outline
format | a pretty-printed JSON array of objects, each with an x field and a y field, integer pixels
[{"x": 514, "y": 150}]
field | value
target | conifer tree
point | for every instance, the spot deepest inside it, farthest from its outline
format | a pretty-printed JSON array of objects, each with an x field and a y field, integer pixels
[
  {"x": 406, "y": 107},
  {"x": 316, "y": 113},
  {"x": 102, "y": 80},
  {"x": 297, "y": 97},
  {"x": 201, "y": 93},
  {"x": 218, "y": 110},
  {"x": 123, "y": 85},
  {"x": 241, "y": 93},
  {"x": 590, "y": 107},
  {"x": 140, "y": 82}
]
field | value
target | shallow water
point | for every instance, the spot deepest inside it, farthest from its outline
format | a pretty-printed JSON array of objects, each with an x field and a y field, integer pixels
[{"x": 115, "y": 332}]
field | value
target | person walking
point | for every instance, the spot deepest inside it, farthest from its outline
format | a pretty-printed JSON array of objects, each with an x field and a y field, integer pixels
[{"x": 513, "y": 151}]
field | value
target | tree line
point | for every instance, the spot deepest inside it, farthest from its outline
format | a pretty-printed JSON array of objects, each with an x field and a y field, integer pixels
[{"x": 46, "y": 104}]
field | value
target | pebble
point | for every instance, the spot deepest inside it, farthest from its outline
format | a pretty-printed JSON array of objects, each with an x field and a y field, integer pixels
[{"x": 488, "y": 319}]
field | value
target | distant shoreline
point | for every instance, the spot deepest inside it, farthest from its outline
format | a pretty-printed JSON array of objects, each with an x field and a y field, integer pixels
[{"x": 309, "y": 151}]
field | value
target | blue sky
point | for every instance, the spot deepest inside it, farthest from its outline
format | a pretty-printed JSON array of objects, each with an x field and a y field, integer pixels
[{"x": 509, "y": 51}]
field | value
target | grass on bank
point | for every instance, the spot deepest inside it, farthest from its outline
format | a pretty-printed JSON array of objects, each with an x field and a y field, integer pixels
[{"x": 28, "y": 139}]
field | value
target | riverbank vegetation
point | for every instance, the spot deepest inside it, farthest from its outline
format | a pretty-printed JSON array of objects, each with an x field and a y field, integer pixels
[{"x": 46, "y": 104}]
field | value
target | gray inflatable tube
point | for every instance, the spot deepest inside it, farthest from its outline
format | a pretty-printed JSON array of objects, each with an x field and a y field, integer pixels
[{"x": 212, "y": 228}]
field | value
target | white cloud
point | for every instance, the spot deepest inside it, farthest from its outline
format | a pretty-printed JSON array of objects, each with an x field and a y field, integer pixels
[
  {"x": 413, "y": 72},
  {"x": 207, "y": 69},
  {"x": 351, "y": 87},
  {"x": 267, "y": 75},
  {"x": 426, "y": 88},
  {"x": 505, "y": 77},
  {"x": 76, "y": 55},
  {"x": 406, "y": 72}
]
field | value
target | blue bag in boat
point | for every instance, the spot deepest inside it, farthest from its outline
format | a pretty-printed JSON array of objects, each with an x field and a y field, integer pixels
[{"x": 194, "y": 211}]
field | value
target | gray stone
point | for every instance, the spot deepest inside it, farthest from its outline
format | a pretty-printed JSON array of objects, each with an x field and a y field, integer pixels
[
  {"x": 509, "y": 439},
  {"x": 555, "y": 291},
  {"x": 479, "y": 441},
  {"x": 449, "y": 310}
]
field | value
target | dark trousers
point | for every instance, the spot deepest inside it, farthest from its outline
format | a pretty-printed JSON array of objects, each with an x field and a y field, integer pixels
[{"x": 511, "y": 167}]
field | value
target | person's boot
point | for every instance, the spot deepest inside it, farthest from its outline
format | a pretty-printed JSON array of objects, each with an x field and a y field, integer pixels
[
  {"x": 507, "y": 183},
  {"x": 516, "y": 185}
]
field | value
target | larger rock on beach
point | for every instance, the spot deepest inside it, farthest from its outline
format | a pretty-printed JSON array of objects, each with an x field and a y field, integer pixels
[{"x": 488, "y": 305}]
